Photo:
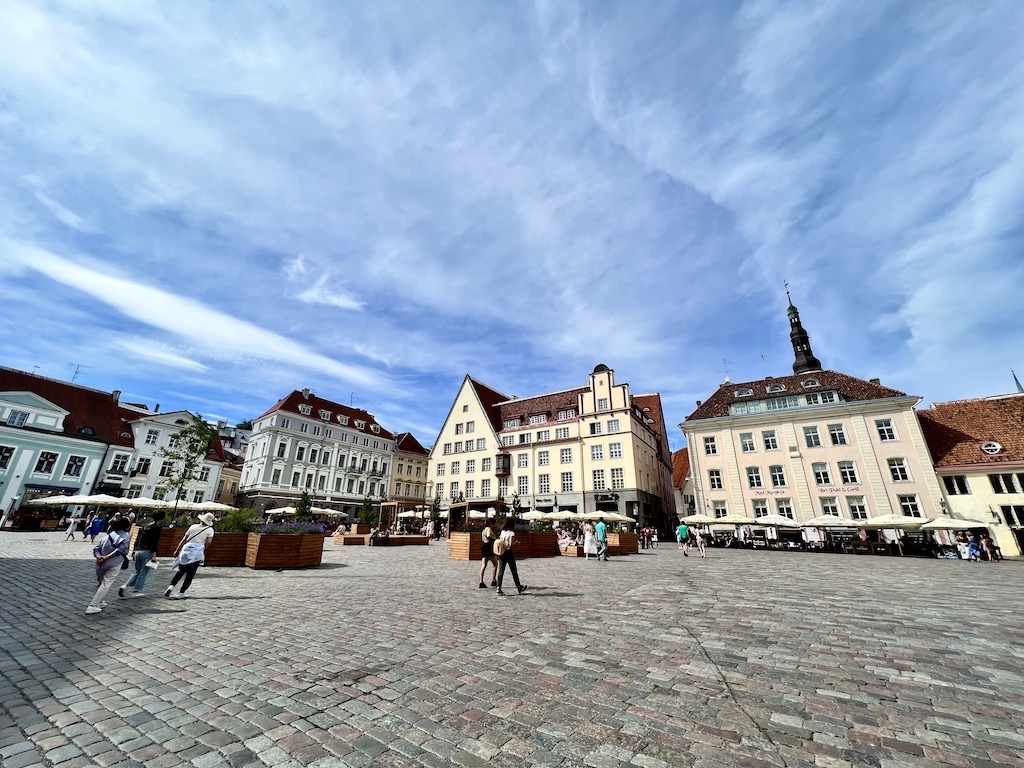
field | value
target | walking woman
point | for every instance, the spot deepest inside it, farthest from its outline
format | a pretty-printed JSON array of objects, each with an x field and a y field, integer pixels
[
  {"x": 191, "y": 554},
  {"x": 109, "y": 554},
  {"x": 589, "y": 541},
  {"x": 487, "y": 536},
  {"x": 503, "y": 548}
]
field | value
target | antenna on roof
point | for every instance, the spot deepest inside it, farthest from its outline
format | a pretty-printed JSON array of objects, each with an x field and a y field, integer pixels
[
  {"x": 351, "y": 398},
  {"x": 78, "y": 370},
  {"x": 726, "y": 369}
]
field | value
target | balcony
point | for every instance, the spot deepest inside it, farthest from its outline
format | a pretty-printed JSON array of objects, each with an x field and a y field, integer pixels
[{"x": 503, "y": 465}]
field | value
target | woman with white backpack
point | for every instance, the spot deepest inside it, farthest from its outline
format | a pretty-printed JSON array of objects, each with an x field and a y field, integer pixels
[{"x": 191, "y": 554}]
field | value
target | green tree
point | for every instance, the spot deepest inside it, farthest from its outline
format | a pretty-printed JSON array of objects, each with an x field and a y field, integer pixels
[
  {"x": 304, "y": 507},
  {"x": 188, "y": 448},
  {"x": 435, "y": 509},
  {"x": 366, "y": 511},
  {"x": 247, "y": 424}
]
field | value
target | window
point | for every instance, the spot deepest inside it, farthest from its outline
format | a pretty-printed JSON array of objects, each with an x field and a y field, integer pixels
[
  {"x": 778, "y": 475},
  {"x": 485, "y": 465},
  {"x": 296, "y": 477},
  {"x": 447, "y": 448},
  {"x": 602, "y": 403},
  {"x": 120, "y": 464},
  {"x": 6, "y": 452},
  {"x": 286, "y": 423},
  {"x": 858, "y": 510},
  {"x": 305, "y": 410},
  {"x": 458, "y": 446},
  {"x": 470, "y": 489},
  {"x": 1005, "y": 483},
  {"x": 991, "y": 447},
  {"x": 770, "y": 443},
  {"x": 828, "y": 397},
  {"x": 197, "y": 497},
  {"x": 313, "y": 454},
  {"x": 470, "y": 466},
  {"x": 776, "y": 388},
  {"x": 898, "y": 470},
  {"x": 747, "y": 442},
  {"x": 715, "y": 479},
  {"x": 524, "y": 437},
  {"x": 598, "y": 475},
  {"x": 524, "y": 486},
  {"x": 510, "y": 423},
  {"x": 440, "y": 469},
  {"x": 282, "y": 449},
  {"x": 813, "y": 399},
  {"x": 829, "y": 506},
  {"x": 134, "y": 492},
  {"x": 507, "y": 440},
  {"x": 909, "y": 506},
  {"x": 522, "y": 460},
  {"x": 569, "y": 413},
  {"x": 837, "y": 433},
  {"x": 821, "y": 473},
  {"x": 275, "y": 478},
  {"x": 326, "y": 458},
  {"x": 481, "y": 444},
  {"x": 810, "y": 383},
  {"x": 614, "y": 450},
  {"x": 309, "y": 480},
  {"x": 204, "y": 475},
  {"x": 142, "y": 467},
  {"x": 754, "y": 477},
  {"x": 538, "y": 418},
  {"x": 721, "y": 508},
  {"x": 613, "y": 426},
  {"x": 328, "y": 432},
  {"x": 743, "y": 392},
  {"x": 847, "y": 473},
  {"x": 470, "y": 427},
  {"x": 595, "y": 428},
  {"x": 544, "y": 434},
  {"x": 351, "y": 486},
  {"x": 303, "y": 427},
  {"x": 1013, "y": 514},
  {"x": 710, "y": 448},
  {"x": 316, "y": 429},
  {"x": 760, "y": 508},
  {"x": 618, "y": 480},
  {"x": 16, "y": 418},
  {"x": 166, "y": 468},
  {"x": 459, "y": 428},
  {"x": 886, "y": 432},
  {"x": 956, "y": 485},
  {"x": 300, "y": 454},
  {"x": 567, "y": 482},
  {"x": 565, "y": 456},
  {"x": 152, "y": 437},
  {"x": 811, "y": 437},
  {"x": 74, "y": 466},
  {"x": 456, "y": 467},
  {"x": 465, "y": 409},
  {"x": 321, "y": 482},
  {"x": 596, "y": 452},
  {"x": 485, "y": 487},
  {"x": 784, "y": 507},
  {"x": 562, "y": 433}
]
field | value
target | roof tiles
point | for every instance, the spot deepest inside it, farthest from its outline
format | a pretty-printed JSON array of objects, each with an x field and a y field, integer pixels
[{"x": 956, "y": 430}]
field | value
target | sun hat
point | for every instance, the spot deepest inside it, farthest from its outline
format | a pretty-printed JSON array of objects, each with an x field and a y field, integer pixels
[{"x": 207, "y": 518}]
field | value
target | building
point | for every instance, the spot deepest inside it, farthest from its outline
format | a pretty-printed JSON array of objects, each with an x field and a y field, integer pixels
[
  {"x": 816, "y": 442},
  {"x": 978, "y": 449},
  {"x": 59, "y": 438},
  {"x": 337, "y": 453},
  {"x": 595, "y": 448},
  {"x": 411, "y": 465},
  {"x": 682, "y": 483}
]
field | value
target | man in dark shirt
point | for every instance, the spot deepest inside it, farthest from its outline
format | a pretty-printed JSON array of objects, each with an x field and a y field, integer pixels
[{"x": 145, "y": 552}]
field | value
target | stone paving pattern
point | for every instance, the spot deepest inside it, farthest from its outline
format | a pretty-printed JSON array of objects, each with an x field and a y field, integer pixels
[{"x": 394, "y": 657}]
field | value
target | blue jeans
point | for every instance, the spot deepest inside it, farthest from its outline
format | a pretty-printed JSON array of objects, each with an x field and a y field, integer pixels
[
  {"x": 138, "y": 579},
  {"x": 602, "y": 549}
]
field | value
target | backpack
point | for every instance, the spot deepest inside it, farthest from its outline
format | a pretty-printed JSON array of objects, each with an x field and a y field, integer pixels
[{"x": 499, "y": 547}]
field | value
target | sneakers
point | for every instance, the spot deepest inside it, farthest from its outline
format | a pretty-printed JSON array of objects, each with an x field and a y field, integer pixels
[
  {"x": 93, "y": 609},
  {"x": 494, "y": 582},
  {"x": 523, "y": 588},
  {"x": 136, "y": 594},
  {"x": 686, "y": 554},
  {"x": 179, "y": 596},
  {"x": 482, "y": 585},
  {"x": 167, "y": 592},
  {"x": 499, "y": 592},
  {"x": 120, "y": 591}
]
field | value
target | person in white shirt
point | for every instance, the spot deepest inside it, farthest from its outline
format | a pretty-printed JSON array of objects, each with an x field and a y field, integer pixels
[
  {"x": 191, "y": 554},
  {"x": 507, "y": 556}
]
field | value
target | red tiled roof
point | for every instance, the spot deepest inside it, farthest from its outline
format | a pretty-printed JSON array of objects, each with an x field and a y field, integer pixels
[
  {"x": 956, "y": 430},
  {"x": 650, "y": 406},
  {"x": 291, "y": 403},
  {"x": 89, "y": 408},
  {"x": 550, "y": 404},
  {"x": 851, "y": 388},
  {"x": 489, "y": 398},
  {"x": 406, "y": 443},
  {"x": 680, "y": 467}
]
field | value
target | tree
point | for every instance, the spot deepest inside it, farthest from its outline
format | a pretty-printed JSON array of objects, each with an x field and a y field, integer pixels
[
  {"x": 304, "y": 507},
  {"x": 435, "y": 509},
  {"x": 187, "y": 450},
  {"x": 366, "y": 511},
  {"x": 247, "y": 424}
]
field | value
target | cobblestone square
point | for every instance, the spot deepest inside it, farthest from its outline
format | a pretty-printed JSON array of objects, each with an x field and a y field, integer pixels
[{"x": 394, "y": 657}]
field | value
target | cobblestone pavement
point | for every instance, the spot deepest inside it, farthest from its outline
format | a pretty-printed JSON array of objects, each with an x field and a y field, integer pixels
[{"x": 395, "y": 657}]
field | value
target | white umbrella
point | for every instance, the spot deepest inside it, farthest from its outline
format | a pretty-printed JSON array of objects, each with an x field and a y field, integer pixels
[
  {"x": 778, "y": 521},
  {"x": 55, "y": 501},
  {"x": 829, "y": 521},
  {"x": 534, "y": 515},
  {"x": 408, "y": 513},
  {"x": 615, "y": 517},
  {"x": 698, "y": 520},
  {"x": 212, "y": 506},
  {"x": 281, "y": 511},
  {"x": 949, "y": 524},
  {"x": 564, "y": 514},
  {"x": 902, "y": 522},
  {"x": 734, "y": 520}
]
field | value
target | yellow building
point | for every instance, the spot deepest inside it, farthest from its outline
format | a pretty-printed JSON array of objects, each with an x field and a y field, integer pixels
[
  {"x": 595, "y": 448},
  {"x": 411, "y": 465},
  {"x": 978, "y": 449}
]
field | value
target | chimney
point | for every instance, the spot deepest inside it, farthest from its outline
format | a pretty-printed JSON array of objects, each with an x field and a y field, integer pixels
[
  {"x": 116, "y": 394},
  {"x": 876, "y": 381},
  {"x": 156, "y": 408},
  {"x": 305, "y": 393},
  {"x": 698, "y": 403}
]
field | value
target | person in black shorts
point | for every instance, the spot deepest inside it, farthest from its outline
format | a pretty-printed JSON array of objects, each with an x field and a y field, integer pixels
[{"x": 488, "y": 537}]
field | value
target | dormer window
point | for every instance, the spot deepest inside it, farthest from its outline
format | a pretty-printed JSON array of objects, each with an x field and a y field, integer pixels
[
  {"x": 511, "y": 423},
  {"x": 375, "y": 429},
  {"x": 360, "y": 423},
  {"x": 746, "y": 392},
  {"x": 16, "y": 418},
  {"x": 325, "y": 415},
  {"x": 343, "y": 420},
  {"x": 776, "y": 388},
  {"x": 810, "y": 383},
  {"x": 305, "y": 410},
  {"x": 991, "y": 447}
]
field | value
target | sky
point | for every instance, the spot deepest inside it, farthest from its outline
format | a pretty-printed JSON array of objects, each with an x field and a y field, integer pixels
[{"x": 208, "y": 205}]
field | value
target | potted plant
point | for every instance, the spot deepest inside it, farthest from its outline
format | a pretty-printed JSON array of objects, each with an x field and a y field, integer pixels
[
  {"x": 284, "y": 545},
  {"x": 228, "y": 546}
]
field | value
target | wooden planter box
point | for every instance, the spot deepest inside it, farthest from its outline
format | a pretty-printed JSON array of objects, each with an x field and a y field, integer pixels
[
  {"x": 283, "y": 550},
  {"x": 545, "y": 544},
  {"x": 227, "y": 549},
  {"x": 465, "y": 546},
  {"x": 469, "y": 546},
  {"x": 170, "y": 538},
  {"x": 360, "y": 528},
  {"x": 623, "y": 543}
]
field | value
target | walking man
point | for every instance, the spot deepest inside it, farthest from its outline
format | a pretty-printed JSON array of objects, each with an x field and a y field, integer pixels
[
  {"x": 683, "y": 538},
  {"x": 602, "y": 540},
  {"x": 145, "y": 552}
]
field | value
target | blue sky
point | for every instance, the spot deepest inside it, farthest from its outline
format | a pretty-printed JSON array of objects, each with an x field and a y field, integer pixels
[{"x": 214, "y": 204}]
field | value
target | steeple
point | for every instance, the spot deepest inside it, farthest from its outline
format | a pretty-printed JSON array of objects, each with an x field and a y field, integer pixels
[{"x": 805, "y": 360}]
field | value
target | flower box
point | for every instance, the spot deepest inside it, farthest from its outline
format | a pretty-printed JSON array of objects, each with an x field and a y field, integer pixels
[
  {"x": 623, "y": 543},
  {"x": 284, "y": 550},
  {"x": 227, "y": 549}
]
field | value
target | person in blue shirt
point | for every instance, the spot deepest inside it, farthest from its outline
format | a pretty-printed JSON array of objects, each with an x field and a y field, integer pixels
[{"x": 602, "y": 540}]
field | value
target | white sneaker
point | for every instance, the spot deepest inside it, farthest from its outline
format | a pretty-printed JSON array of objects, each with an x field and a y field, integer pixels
[
  {"x": 136, "y": 594},
  {"x": 93, "y": 609},
  {"x": 167, "y": 592}
]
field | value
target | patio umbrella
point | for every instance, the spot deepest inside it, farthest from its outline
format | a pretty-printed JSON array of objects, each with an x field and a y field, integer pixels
[
  {"x": 281, "y": 511},
  {"x": 778, "y": 521},
  {"x": 734, "y": 520},
  {"x": 698, "y": 520},
  {"x": 564, "y": 514},
  {"x": 615, "y": 517},
  {"x": 533, "y": 515},
  {"x": 829, "y": 521},
  {"x": 212, "y": 506},
  {"x": 103, "y": 500},
  {"x": 56, "y": 501},
  {"x": 949, "y": 524},
  {"x": 901, "y": 522},
  {"x": 408, "y": 513}
]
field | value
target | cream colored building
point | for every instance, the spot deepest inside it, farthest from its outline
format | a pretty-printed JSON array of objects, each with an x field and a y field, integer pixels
[
  {"x": 411, "y": 470},
  {"x": 595, "y": 448},
  {"x": 978, "y": 449},
  {"x": 814, "y": 443}
]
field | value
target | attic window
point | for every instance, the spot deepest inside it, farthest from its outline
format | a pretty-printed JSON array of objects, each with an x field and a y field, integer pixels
[
  {"x": 810, "y": 383},
  {"x": 342, "y": 419},
  {"x": 746, "y": 392},
  {"x": 325, "y": 415},
  {"x": 375, "y": 429},
  {"x": 991, "y": 447},
  {"x": 305, "y": 410},
  {"x": 88, "y": 431},
  {"x": 776, "y": 388},
  {"x": 360, "y": 423}
]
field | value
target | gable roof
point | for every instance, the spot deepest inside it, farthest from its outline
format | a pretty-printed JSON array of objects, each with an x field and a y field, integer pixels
[
  {"x": 650, "y": 406},
  {"x": 851, "y": 388},
  {"x": 489, "y": 399},
  {"x": 406, "y": 443},
  {"x": 956, "y": 430},
  {"x": 550, "y": 404},
  {"x": 87, "y": 408},
  {"x": 680, "y": 467},
  {"x": 290, "y": 404}
]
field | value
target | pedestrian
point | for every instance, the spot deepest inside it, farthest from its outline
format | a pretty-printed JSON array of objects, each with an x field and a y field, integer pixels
[
  {"x": 503, "y": 548},
  {"x": 654, "y": 537},
  {"x": 601, "y": 531},
  {"x": 682, "y": 538},
  {"x": 973, "y": 549},
  {"x": 589, "y": 541},
  {"x": 698, "y": 541},
  {"x": 488, "y": 537},
  {"x": 73, "y": 522},
  {"x": 191, "y": 553},
  {"x": 145, "y": 556},
  {"x": 114, "y": 519},
  {"x": 99, "y": 522},
  {"x": 109, "y": 554}
]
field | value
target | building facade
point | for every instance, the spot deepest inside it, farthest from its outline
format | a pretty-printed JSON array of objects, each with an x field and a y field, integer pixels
[
  {"x": 595, "y": 448},
  {"x": 682, "y": 483},
  {"x": 337, "y": 453},
  {"x": 814, "y": 443},
  {"x": 411, "y": 468},
  {"x": 978, "y": 449}
]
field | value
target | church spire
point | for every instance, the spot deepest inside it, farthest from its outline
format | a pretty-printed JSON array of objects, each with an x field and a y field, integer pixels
[{"x": 805, "y": 360}]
